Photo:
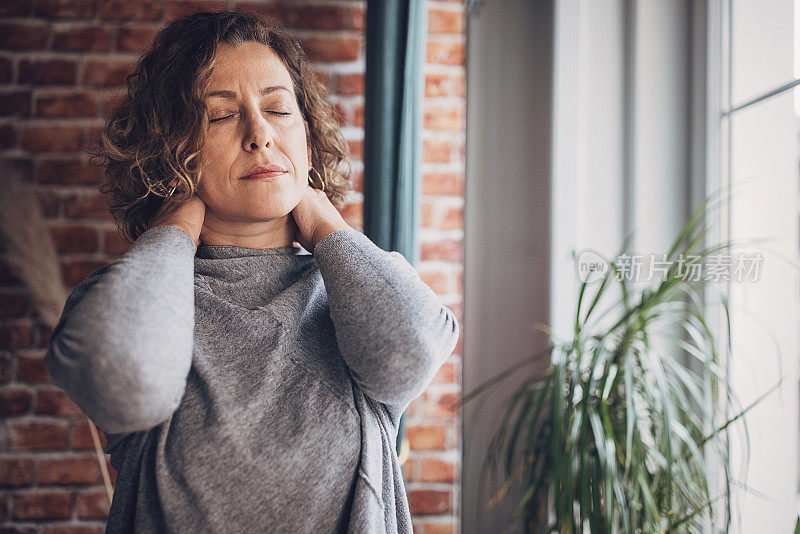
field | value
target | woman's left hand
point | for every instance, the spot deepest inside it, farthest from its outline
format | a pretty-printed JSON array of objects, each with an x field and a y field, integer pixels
[{"x": 316, "y": 217}]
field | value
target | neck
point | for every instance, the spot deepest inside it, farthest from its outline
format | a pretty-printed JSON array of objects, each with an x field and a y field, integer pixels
[{"x": 275, "y": 233}]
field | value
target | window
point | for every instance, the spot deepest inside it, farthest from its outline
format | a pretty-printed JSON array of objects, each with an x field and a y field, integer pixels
[{"x": 759, "y": 156}]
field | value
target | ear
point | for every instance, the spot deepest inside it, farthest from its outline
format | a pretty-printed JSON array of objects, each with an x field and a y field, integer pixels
[{"x": 309, "y": 155}]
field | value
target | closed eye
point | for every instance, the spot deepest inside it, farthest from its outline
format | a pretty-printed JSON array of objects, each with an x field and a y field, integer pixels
[
  {"x": 220, "y": 119},
  {"x": 282, "y": 113}
]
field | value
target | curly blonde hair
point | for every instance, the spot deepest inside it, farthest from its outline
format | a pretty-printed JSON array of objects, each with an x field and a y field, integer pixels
[{"x": 151, "y": 141}]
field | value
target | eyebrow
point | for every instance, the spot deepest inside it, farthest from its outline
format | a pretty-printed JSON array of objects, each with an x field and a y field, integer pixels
[{"x": 265, "y": 91}]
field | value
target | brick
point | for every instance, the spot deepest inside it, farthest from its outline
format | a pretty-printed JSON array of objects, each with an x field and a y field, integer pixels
[
  {"x": 92, "y": 504},
  {"x": 443, "y": 183},
  {"x": 47, "y": 72},
  {"x": 445, "y": 21},
  {"x": 113, "y": 244},
  {"x": 5, "y": 70},
  {"x": 439, "y": 85},
  {"x": 127, "y": 10},
  {"x": 67, "y": 171},
  {"x": 437, "y": 281},
  {"x": 73, "y": 272},
  {"x": 412, "y": 408},
  {"x": 332, "y": 49},
  {"x": 15, "y": 8},
  {"x": 443, "y": 405},
  {"x": 426, "y": 502},
  {"x": 444, "y": 250},
  {"x": 135, "y": 39},
  {"x": 448, "y": 527},
  {"x": 442, "y": 118},
  {"x": 50, "y": 138},
  {"x": 427, "y": 214},
  {"x": 324, "y": 78},
  {"x": 461, "y": 86},
  {"x": 177, "y": 8},
  {"x": 18, "y": 529},
  {"x": 91, "y": 136},
  {"x": 94, "y": 206},
  {"x": 8, "y": 135},
  {"x": 325, "y": 17},
  {"x": 37, "y": 435},
  {"x": 446, "y": 374},
  {"x": 107, "y": 73},
  {"x": 435, "y": 151},
  {"x": 16, "y": 471},
  {"x": 356, "y": 149},
  {"x": 426, "y": 437},
  {"x": 15, "y": 103},
  {"x": 267, "y": 10},
  {"x": 5, "y": 369},
  {"x": 110, "y": 101},
  {"x": 14, "y": 401},
  {"x": 446, "y": 53},
  {"x": 351, "y": 84},
  {"x": 49, "y": 203},
  {"x": 21, "y": 36},
  {"x": 81, "y": 436},
  {"x": 63, "y": 9},
  {"x": 74, "y": 238},
  {"x": 436, "y": 470},
  {"x": 67, "y": 528},
  {"x": 54, "y": 401},
  {"x": 83, "y": 39},
  {"x": 453, "y": 218},
  {"x": 8, "y": 277},
  {"x": 353, "y": 213},
  {"x": 31, "y": 369},
  {"x": 66, "y": 104},
  {"x": 16, "y": 335},
  {"x": 43, "y": 332},
  {"x": 14, "y": 305},
  {"x": 408, "y": 466},
  {"x": 358, "y": 115},
  {"x": 357, "y": 179},
  {"x": 68, "y": 470},
  {"x": 52, "y": 504}
]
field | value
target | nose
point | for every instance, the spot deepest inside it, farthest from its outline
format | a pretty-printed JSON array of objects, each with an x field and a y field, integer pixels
[{"x": 258, "y": 133}]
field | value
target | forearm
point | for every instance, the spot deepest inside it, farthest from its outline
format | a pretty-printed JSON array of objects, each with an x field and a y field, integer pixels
[
  {"x": 392, "y": 330},
  {"x": 123, "y": 346}
]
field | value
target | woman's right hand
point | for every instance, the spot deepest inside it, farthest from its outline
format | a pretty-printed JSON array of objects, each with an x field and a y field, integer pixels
[{"x": 188, "y": 216}]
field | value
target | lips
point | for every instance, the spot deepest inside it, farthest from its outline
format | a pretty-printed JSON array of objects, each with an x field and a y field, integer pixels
[{"x": 264, "y": 171}]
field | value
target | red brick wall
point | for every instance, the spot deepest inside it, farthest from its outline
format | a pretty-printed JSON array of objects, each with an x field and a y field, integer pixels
[{"x": 60, "y": 62}]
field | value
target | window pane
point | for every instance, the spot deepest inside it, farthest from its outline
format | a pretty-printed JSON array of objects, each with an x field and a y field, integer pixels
[
  {"x": 764, "y": 155},
  {"x": 762, "y": 46}
]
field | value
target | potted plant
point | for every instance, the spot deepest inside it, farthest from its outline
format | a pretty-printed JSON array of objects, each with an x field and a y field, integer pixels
[{"x": 615, "y": 435}]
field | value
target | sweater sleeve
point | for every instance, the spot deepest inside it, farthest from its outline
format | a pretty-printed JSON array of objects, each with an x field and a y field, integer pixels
[
  {"x": 392, "y": 330},
  {"x": 123, "y": 346}
]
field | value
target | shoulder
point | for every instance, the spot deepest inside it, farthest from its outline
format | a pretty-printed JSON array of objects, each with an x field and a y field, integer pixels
[{"x": 80, "y": 290}]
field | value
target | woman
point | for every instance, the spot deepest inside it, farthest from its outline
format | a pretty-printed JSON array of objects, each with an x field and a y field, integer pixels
[{"x": 249, "y": 356}]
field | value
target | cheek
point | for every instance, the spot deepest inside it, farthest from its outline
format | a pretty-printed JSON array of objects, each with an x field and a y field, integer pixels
[{"x": 212, "y": 150}]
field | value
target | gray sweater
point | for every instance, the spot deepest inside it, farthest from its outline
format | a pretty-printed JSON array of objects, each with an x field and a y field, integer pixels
[{"x": 252, "y": 390}]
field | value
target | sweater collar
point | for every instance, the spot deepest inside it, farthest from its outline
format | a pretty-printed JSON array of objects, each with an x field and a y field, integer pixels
[{"x": 216, "y": 252}]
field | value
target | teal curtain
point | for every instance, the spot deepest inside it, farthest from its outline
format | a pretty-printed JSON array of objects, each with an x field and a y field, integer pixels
[{"x": 393, "y": 94}]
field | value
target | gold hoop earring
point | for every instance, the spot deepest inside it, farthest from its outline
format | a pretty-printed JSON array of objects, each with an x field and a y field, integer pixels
[{"x": 321, "y": 179}]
